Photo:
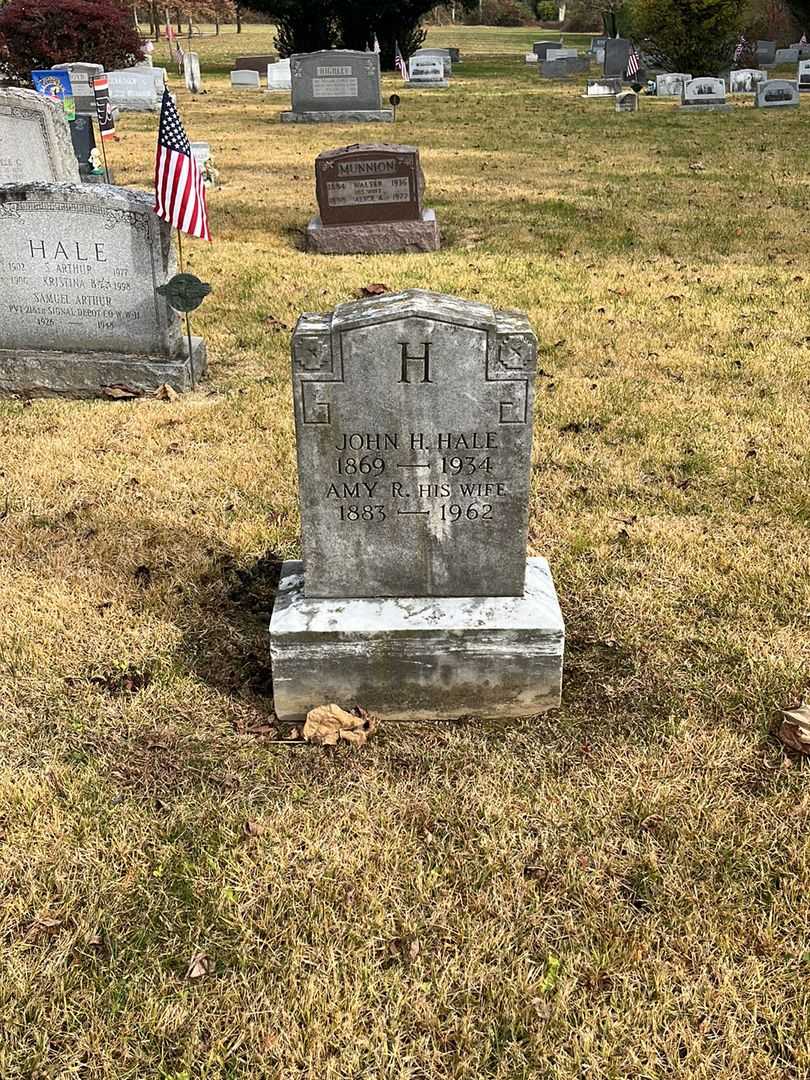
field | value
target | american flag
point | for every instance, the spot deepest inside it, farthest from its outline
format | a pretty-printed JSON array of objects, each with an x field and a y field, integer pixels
[
  {"x": 399, "y": 61},
  {"x": 633, "y": 63},
  {"x": 179, "y": 187}
]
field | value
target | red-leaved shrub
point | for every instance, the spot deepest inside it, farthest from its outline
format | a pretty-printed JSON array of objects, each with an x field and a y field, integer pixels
[{"x": 40, "y": 33}]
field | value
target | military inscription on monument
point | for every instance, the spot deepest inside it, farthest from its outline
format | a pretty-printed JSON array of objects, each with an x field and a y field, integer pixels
[
  {"x": 414, "y": 422},
  {"x": 81, "y": 273}
]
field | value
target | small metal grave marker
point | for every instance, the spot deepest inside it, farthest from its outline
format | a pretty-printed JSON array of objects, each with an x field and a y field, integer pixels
[
  {"x": 394, "y": 101},
  {"x": 185, "y": 293}
]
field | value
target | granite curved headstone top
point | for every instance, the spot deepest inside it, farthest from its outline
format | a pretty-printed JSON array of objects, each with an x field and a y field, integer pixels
[
  {"x": 443, "y": 54},
  {"x": 79, "y": 268},
  {"x": 369, "y": 182},
  {"x": 705, "y": 93},
  {"x": 35, "y": 143},
  {"x": 777, "y": 93},
  {"x": 426, "y": 70},
  {"x": 671, "y": 84},
  {"x": 414, "y": 429}
]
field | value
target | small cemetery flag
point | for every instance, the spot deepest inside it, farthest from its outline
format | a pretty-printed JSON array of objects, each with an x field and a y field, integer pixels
[
  {"x": 633, "y": 63},
  {"x": 399, "y": 61},
  {"x": 179, "y": 187},
  {"x": 106, "y": 121},
  {"x": 741, "y": 44},
  {"x": 56, "y": 86}
]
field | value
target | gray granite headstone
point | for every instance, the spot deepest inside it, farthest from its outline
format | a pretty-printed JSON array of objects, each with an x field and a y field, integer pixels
[
  {"x": 766, "y": 53},
  {"x": 777, "y": 94},
  {"x": 426, "y": 72},
  {"x": 540, "y": 48},
  {"x": 705, "y": 94},
  {"x": 627, "y": 101},
  {"x": 415, "y": 598},
  {"x": 134, "y": 89},
  {"x": 414, "y": 421},
  {"x": 617, "y": 53},
  {"x": 337, "y": 85},
  {"x": 79, "y": 310},
  {"x": 246, "y": 79},
  {"x": 35, "y": 142},
  {"x": 81, "y": 76},
  {"x": 560, "y": 54},
  {"x": 803, "y": 76},
  {"x": 671, "y": 84},
  {"x": 335, "y": 80},
  {"x": 787, "y": 56},
  {"x": 565, "y": 68}
]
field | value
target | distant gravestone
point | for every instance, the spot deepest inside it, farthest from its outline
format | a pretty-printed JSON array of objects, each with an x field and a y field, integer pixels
[
  {"x": 627, "y": 101},
  {"x": 560, "y": 54},
  {"x": 705, "y": 95},
  {"x": 255, "y": 63},
  {"x": 565, "y": 68},
  {"x": 81, "y": 79},
  {"x": 413, "y": 417},
  {"x": 597, "y": 43},
  {"x": 671, "y": 84},
  {"x": 426, "y": 73},
  {"x": 191, "y": 72},
  {"x": 338, "y": 86},
  {"x": 455, "y": 54},
  {"x": 370, "y": 200},
  {"x": 278, "y": 76},
  {"x": 443, "y": 54},
  {"x": 787, "y": 56},
  {"x": 777, "y": 94},
  {"x": 803, "y": 76},
  {"x": 80, "y": 312},
  {"x": 766, "y": 53},
  {"x": 744, "y": 80},
  {"x": 247, "y": 79},
  {"x": 530, "y": 58},
  {"x": 35, "y": 142},
  {"x": 134, "y": 89},
  {"x": 82, "y": 135},
  {"x": 603, "y": 87},
  {"x": 617, "y": 53},
  {"x": 540, "y": 48}
]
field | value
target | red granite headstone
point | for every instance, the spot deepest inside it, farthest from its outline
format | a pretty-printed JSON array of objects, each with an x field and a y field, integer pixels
[{"x": 366, "y": 184}]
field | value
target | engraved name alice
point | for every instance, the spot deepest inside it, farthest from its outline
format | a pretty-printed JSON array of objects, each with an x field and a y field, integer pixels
[{"x": 417, "y": 440}]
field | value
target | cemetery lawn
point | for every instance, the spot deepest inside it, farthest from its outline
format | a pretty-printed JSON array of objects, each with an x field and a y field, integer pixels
[{"x": 618, "y": 889}]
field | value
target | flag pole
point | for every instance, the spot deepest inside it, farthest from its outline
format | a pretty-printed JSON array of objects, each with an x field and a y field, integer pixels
[
  {"x": 104, "y": 155},
  {"x": 188, "y": 318}
]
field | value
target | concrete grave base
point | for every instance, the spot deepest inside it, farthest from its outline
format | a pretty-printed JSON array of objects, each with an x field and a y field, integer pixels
[
  {"x": 438, "y": 84},
  {"x": 704, "y": 108},
  {"x": 342, "y": 116},
  {"x": 25, "y": 373},
  {"x": 418, "y": 658},
  {"x": 383, "y": 236}
]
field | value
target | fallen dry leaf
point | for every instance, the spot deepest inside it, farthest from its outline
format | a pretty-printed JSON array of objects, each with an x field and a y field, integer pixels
[
  {"x": 166, "y": 393},
  {"x": 377, "y": 289},
  {"x": 199, "y": 966},
  {"x": 794, "y": 731},
  {"x": 119, "y": 393},
  {"x": 328, "y": 724}
]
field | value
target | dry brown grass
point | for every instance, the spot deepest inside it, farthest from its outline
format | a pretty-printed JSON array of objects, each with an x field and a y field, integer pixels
[{"x": 401, "y": 910}]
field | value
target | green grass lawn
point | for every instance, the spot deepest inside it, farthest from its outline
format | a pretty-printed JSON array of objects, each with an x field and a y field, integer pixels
[{"x": 614, "y": 890}]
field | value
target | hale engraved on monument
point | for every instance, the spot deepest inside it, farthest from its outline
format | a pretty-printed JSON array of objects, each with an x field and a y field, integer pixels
[
  {"x": 79, "y": 269},
  {"x": 414, "y": 426},
  {"x": 415, "y": 596}
]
